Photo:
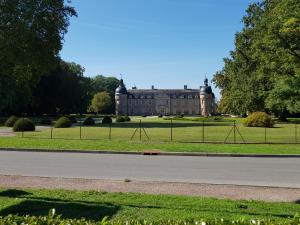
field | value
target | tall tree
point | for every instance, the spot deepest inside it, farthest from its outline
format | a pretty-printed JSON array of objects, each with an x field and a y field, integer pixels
[
  {"x": 31, "y": 35},
  {"x": 109, "y": 84},
  {"x": 65, "y": 90},
  {"x": 101, "y": 102},
  {"x": 262, "y": 73}
]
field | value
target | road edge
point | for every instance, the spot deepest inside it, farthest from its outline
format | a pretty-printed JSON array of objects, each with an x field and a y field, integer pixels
[{"x": 153, "y": 153}]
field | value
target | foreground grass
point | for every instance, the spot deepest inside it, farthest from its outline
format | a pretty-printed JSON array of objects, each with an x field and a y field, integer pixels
[
  {"x": 130, "y": 206},
  {"x": 68, "y": 144}
]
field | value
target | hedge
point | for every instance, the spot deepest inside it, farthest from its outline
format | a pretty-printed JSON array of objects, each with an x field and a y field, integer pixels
[
  {"x": 63, "y": 122},
  {"x": 10, "y": 122},
  {"x": 24, "y": 124},
  {"x": 57, "y": 220},
  {"x": 121, "y": 119},
  {"x": 259, "y": 119}
]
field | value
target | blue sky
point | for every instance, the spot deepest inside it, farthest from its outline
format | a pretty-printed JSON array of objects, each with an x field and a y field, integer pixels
[{"x": 166, "y": 43}]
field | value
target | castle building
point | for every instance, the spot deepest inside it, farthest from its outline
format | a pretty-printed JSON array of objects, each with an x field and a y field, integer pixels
[{"x": 145, "y": 102}]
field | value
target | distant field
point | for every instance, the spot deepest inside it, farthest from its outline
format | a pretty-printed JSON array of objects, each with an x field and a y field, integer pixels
[
  {"x": 128, "y": 206},
  {"x": 159, "y": 130},
  {"x": 187, "y": 136}
]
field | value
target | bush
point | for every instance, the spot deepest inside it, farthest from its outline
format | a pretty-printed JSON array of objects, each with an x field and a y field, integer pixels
[
  {"x": 89, "y": 121},
  {"x": 259, "y": 119},
  {"x": 10, "y": 122},
  {"x": 24, "y": 124},
  {"x": 106, "y": 120},
  {"x": 120, "y": 119},
  {"x": 127, "y": 118},
  {"x": 63, "y": 122},
  {"x": 45, "y": 121}
]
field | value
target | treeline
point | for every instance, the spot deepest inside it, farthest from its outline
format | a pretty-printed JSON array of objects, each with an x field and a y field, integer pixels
[
  {"x": 263, "y": 71},
  {"x": 65, "y": 90},
  {"x": 33, "y": 78}
]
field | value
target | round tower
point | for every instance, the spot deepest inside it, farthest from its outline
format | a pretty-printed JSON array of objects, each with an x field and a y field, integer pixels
[
  {"x": 206, "y": 99},
  {"x": 121, "y": 99}
]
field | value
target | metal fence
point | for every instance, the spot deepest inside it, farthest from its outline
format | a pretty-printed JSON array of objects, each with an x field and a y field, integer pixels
[{"x": 173, "y": 131}]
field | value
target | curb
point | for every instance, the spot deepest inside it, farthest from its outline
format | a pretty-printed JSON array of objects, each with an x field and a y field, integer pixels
[{"x": 154, "y": 153}]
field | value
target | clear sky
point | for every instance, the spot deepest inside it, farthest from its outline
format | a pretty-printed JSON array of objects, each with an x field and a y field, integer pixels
[{"x": 165, "y": 43}]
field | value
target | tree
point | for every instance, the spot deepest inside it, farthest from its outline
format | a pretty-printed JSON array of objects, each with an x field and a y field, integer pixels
[
  {"x": 101, "y": 102},
  {"x": 109, "y": 84},
  {"x": 31, "y": 35},
  {"x": 65, "y": 90},
  {"x": 262, "y": 73}
]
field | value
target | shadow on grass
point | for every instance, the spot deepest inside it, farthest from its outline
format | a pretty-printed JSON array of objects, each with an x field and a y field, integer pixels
[
  {"x": 13, "y": 193},
  {"x": 76, "y": 209},
  {"x": 35, "y": 206}
]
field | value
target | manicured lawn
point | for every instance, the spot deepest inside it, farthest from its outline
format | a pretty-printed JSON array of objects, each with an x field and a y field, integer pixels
[
  {"x": 95, "y": 205},
  {"x": 158, "y": 130},
  {"x": 34, "y": 143}
]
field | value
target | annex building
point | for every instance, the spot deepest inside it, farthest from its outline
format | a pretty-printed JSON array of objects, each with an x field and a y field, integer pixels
[{"x": 146, "y": 102}]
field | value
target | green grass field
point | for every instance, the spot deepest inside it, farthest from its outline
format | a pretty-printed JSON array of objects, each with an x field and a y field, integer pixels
[
  {"x": 159, "y": 130},
  {"x": 184, "y": 134},
  {"x": 126, "y": 206},
  {"x": 35, "y": 143}
]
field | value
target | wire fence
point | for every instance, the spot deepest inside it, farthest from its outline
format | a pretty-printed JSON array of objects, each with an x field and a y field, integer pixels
[{"x": 173, "y": 131}]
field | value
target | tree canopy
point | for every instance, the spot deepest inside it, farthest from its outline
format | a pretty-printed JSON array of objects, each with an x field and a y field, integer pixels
[
  {"x": 31, "y": 36},
  {"x": 65, "y": 90},
  {"x": 263, "y": 71},
  {"x": 100, "y": 102}
]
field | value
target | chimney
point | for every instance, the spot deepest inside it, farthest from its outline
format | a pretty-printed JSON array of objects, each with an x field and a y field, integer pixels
[
  {"x": 185, "y": 87},
  {"x": 152, "y": 87}
]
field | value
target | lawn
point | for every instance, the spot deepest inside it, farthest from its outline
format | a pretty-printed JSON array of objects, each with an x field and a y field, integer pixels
[
  {"x": 35, "y": 143},
  {"x": 160, "y": 130},
  {"x": 126, "y": 206},
  {"x": 186, "y": 134}
]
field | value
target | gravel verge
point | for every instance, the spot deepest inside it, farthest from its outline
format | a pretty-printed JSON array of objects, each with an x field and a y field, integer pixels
[{"x": 237, "y": 192}]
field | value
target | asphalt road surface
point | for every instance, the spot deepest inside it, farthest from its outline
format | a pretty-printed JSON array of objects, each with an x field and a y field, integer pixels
[{"x": 276, "y": 172}]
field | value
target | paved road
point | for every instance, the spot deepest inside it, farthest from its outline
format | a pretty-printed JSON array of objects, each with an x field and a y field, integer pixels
[{"x": 279, "y": 172}]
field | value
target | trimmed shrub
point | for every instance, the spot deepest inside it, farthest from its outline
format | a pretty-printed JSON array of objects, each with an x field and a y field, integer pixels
[
  {"x": 63, "y": 122},
  {"x": 45, "y": 121},
  {"x": 127, "y": 118},
  {"x": 24, "y": 124},
  {"x": 89, "y": 121},
  {"x": 120, "y": 119},
  {"x": 259, "y": 119},
  {"x": 106, "y": 120},
  {"x": 11, "y": 121}
]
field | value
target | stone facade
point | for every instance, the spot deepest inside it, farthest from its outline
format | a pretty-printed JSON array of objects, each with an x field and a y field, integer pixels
[{"x": 165, "y": 101}]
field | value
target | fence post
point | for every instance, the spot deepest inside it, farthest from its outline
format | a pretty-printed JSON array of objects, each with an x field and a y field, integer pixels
[
  {"x": 80, "y": 124},
  {"x": 265, "y": 134},
  {"x": 51, "y": 132},
  {"x": 22, "y": 130},
  {"x": 109, "y": 135},
  {"x": 140, "y": 130},
  {"x": 296, "y": 140},
  {"x": 234, "y": 129},
  {"x": 171, "y": 129},
  {"x": 202, "y": 131}
]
